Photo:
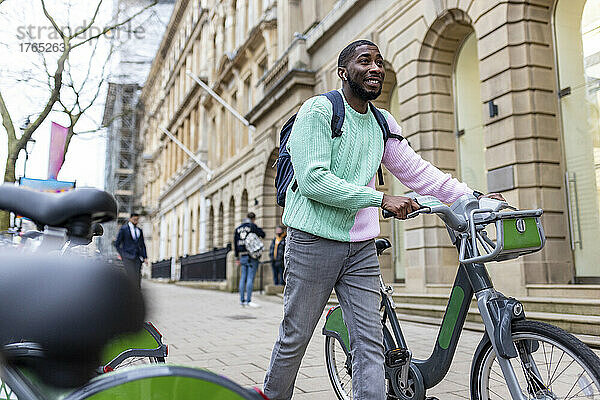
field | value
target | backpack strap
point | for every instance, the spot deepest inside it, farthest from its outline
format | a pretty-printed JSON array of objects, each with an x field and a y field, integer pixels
[
  {"x": 383, "y": 124},
  {"x": 337, "y": 119}
]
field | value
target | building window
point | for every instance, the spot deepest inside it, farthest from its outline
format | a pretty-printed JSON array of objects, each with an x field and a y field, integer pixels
[
  {"x": 248, "y": 94},
  {"x": 577, "y": 38},
  {"x": 468, "y": 116}
]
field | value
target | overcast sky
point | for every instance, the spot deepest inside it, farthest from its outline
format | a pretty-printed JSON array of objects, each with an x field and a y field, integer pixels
[{"x": 25, "y": 93}]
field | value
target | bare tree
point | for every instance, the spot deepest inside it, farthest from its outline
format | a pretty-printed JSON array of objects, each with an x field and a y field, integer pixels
[
  {"x": 74, "y": 104},
  {"x": 64, "y": 93}
]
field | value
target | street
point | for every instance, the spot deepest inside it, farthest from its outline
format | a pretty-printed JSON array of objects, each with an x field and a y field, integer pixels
[{"x": 209, "y": 329}]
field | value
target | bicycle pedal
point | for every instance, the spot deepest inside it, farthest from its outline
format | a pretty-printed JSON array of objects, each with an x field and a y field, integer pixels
[{"x": 396, "y": 357}]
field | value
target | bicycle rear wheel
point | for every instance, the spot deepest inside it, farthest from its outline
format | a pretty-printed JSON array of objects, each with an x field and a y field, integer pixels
[
  {"x": 339, "y": 368},
  {"x": 552, "y": 365}
]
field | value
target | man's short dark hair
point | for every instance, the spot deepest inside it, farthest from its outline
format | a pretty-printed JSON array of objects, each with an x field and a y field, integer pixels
[
  {"x": 348, "y": 51},
  {"x": 134, "y": 215},
  {"x": 251, "y": 215}
]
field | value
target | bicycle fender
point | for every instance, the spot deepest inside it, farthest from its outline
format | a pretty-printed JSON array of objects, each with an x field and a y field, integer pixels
[
  {"x": 336, "y": 327},
  {"x": 504, "y": 311},
  {"x": 145, "y": 343}
]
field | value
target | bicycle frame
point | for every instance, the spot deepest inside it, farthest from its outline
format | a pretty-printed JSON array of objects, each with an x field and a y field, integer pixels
[{"x": 497, "y": 312}]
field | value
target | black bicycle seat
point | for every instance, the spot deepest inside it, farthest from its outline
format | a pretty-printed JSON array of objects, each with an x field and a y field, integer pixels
[
  {"x": 382, "y": 244},
  {"x": 71, "y": 307},
  {"x": 57, "y": 209}
]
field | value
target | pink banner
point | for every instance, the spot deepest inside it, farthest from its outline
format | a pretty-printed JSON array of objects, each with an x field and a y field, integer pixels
[{"x": 58, "y": 137}]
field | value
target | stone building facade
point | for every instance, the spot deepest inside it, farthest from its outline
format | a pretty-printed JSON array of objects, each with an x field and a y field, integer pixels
[{"x": 503, "y": 94}]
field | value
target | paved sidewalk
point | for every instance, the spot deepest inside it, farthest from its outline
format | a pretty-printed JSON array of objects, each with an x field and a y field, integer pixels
[{"x": 209, "y": 329}]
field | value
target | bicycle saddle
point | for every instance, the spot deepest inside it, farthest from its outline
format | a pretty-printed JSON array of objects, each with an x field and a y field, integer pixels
[
  {"x": 70, "y": 307},
  {"x": 57, "y": 209},
  {"x": 382, "y": 244}
]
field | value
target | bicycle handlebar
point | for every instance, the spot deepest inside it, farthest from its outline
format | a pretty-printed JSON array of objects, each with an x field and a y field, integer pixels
[
  {"x": 468, "y": 217},
  {"x": 454, "y": 221}
]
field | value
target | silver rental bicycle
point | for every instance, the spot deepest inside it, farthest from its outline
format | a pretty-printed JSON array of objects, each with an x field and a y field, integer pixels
[{"x": 516, "y": 358}]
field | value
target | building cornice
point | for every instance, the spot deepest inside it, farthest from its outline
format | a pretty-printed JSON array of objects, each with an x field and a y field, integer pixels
[
  {"x": 239, "y": 58},
  {"x": 165, "y": 44},
  {"x": 279, "y": 90},
  {"x": 331, "y": 23}
]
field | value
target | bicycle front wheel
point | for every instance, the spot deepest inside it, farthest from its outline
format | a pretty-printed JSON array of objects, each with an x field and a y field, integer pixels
[
  {"x": 552, "y": 365},
  {"x": 339, "y": 368}
]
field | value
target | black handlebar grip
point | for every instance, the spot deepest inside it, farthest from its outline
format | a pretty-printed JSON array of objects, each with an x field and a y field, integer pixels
[{"x": 387, "y": 214}]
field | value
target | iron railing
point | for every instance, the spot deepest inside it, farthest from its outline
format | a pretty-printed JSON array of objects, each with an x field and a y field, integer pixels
[
  {"x": 208, "y": 266},
  {"x": 161, "y": 269}
]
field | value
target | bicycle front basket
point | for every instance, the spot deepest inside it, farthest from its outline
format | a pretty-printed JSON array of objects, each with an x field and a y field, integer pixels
[{"x": 520, "y": 235}]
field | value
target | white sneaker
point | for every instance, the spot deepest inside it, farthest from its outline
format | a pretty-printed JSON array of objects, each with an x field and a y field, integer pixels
[
  {"x": 243, "y": 304},
  {"x": 253, "y": 304}
]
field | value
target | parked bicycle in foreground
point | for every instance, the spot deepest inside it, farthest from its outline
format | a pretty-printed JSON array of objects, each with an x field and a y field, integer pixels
[
  {"x": 516, "y": 358},
  {"x": 58, "y": 314},
  {"x": 66, "y": 238}
]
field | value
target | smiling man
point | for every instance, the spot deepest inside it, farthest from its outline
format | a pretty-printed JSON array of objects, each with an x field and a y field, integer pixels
[{"x": 333, "y": 217}]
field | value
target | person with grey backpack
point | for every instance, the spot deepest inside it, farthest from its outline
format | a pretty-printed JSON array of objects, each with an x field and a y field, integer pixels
[{"x": 248, "y": 248}]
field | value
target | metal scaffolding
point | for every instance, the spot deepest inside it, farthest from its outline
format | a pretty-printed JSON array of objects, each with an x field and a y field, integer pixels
[{"x": 121, "y": 155}]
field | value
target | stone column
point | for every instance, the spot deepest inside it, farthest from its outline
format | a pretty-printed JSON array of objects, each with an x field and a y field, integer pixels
[{"x": 523, "y": 140}]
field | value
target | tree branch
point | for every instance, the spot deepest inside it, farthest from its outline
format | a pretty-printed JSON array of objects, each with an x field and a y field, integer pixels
[
  {"x": 110, "y": 53},
  {"x": 52, "y": 21},
  {"x": 89, "y": 68},
  {"x": 54, "y": 95},
  {"x": 85, "y": 28},
  {"x": 70, "y": 132},
  {"x": 7, "y": 121},
  {"x": 108, "y": 28}
]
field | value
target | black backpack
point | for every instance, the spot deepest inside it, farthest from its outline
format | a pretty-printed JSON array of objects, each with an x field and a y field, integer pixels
[{"x": 285, "y": 170}]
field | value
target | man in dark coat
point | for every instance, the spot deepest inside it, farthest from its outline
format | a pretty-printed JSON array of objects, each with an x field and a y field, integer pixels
[
  {"x": 131, "y": 247},
  {"x": 276, "y": 254}
]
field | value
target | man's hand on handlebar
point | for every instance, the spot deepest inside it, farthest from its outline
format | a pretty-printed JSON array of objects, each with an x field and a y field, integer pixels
[
  {"x": 495, "y": 196},
  {"x": 400, "y": 206}
]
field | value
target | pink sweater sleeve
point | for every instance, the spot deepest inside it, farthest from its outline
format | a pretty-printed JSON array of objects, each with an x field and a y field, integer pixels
[{"x": 417, "y": 174}]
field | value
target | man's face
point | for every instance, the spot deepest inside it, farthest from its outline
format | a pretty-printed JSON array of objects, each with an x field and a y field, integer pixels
[
  {"x": 278, "y": 231},
  {"x": 134, "y": 220},
  {"x": 366, "y": 72}
]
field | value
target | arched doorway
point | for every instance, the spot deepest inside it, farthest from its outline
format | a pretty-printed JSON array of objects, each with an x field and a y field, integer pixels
[
  {"x": 272, "y": 212},
  {"x": 230, "y": 220},
  {"x": 210, "y": 229},
  {"x": 577, "y": 41},
  {"x": 429, "y": 114},
  {"x": 391, "y": 229},
  {"x": 468, "y": 116},
  {"x": 219, "y": 226},
  {"x": 244, "y": 205}
]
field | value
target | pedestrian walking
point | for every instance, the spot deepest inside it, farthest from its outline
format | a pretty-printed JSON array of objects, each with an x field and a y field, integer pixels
[
  {"x": 331, "y": 211},
  {"x": 276, "y": 252},
  {"x": 132, "y": 248},
  {"x": 248, "y": 248}
]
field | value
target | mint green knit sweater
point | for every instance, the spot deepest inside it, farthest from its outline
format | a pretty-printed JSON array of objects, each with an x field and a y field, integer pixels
[{"x": 332, "y": 173}]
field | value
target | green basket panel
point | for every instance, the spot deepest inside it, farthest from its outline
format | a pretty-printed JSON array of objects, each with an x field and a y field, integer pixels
[
  {"x": 335, "y": 323},
  {"x": 140, "y": 340},
  {"x": 167, "y": 387},
  {"x": 529, "y": 238}
]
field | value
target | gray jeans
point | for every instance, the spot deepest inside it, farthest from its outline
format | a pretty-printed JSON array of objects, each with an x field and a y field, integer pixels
[{"x": 313, "y": 267}]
